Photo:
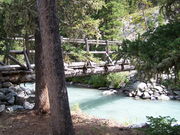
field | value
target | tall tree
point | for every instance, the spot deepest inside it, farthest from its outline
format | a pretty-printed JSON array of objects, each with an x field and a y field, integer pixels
[
  {"x": 54, "y": 68},
  {"x": 42, "y": 105}
]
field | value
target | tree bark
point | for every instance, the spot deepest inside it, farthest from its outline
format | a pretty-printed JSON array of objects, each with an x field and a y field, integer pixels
[
  {"x": 42, "y": 98},
  {"x": 54, "y": 68}
]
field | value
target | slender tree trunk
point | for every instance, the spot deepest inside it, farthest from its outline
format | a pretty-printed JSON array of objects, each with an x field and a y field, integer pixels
[
  {"x": 54, "y": 68},
  {"x": 42, "y": 98}
]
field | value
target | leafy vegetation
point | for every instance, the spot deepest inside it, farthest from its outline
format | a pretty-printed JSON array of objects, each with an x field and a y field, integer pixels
[
  {"x": 162, "y": 126},
  {"x": 155, "y": 52},
  {"x": 116, "y": 80}
]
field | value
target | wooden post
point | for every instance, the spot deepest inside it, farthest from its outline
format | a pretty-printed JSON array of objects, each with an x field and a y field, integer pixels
[
  {"x": 28, "y": 64},
  {"x": 87, "y": 45}
]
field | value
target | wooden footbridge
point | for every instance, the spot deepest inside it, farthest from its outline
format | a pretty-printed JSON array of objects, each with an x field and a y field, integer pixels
[{"x": 24, "y": 71}]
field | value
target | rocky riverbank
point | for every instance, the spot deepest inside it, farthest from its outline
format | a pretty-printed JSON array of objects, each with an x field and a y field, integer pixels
[
  {"x": 153, "y": 91},
  {"x": 13, "y": 97},
  {"x": 142, "y": 90}
]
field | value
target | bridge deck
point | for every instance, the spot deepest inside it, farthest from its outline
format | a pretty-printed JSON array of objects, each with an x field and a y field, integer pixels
[{"x": 16, "y": 74}]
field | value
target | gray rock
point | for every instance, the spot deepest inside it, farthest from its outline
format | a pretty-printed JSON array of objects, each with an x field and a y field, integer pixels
[
  {"x": 2, "y": 96},
  {"x": 2, "y": 108},
  {"x": 31, "y": 99},
  {"x": 19, "y": 100},
  {"x": 163, "y": 97},
  {"x": 22, "y": 94},
  {"x": 153, "y": 98},
  {"x": 14, "y": 108},
  {"x": 156, "y": 94},
  {"x": 10, "y": 98},
  {"x": 150, "y": 92},
  {"x": 139, "y": 86},
  {"x": 146, "y": 95},
  {"x": 28, "y": 105},
  {"x": 136, "y": 97},
  {"x": 7, "y": 84},
  {"x": 109, "y": 92},
  {"x": 177, "y": 92},
  {"x": 130, "y": 94},
  {"x": 159, "y": 88},
  {"x": 0, "y": 85},
  {"x": 139, "y": 93}
]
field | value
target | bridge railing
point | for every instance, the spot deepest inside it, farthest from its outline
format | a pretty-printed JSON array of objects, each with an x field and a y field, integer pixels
[{"x": 87, "y": 42}]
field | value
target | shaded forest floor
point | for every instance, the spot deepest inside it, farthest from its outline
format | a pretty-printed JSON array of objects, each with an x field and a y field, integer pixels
[{"x": 28, "y": 123}]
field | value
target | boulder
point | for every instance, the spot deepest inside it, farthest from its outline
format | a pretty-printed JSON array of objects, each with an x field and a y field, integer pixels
[
  {"x": 7, "y": 84},
  {"x": 153, "y": 98},
  {"x": 146, "y": 95},
  {"x": 2, "y": 96},
  {"x": 14, "y": 108},
  {"x": 22, "y": 94},
  {"x": 139, "y": 86},
  {"x": 159, "y": 88},
  {"x": 2, "y": 108},
  {"x": 139, "y": 93},
  {"x": 28, "y": 105},
  {"x": 109, "y": 92},
  {"x": 31, "y": 99},
  {"x": 163, "y": 97},
  {"x": 136, "y": 97},
  {"x": 19, "y": 100},
  {"x": 10, "y": 98}
]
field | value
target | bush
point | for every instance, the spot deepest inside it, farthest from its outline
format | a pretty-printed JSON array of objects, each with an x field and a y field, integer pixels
[
  {"x": 98, "y": 81},
  {"x": 162, "y": 126},
  {"x": 117, "y": 79}
]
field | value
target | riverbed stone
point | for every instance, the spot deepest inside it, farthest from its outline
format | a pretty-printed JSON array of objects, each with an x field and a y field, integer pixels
[
  {"x": 28, "y": 105},
  {"x": 139, "y": 85},
  {"x": 14, "y": 108},
  {"x": 153, "y": 98},
  {"x": 109, "y": 92},
  {"x": 139, "y": 93},
  {"x": 146, "y": 95},
  {"x": 22, "y": 94},
  {"x": 2, "y": 108},
  {"x": 163, "y": 97},
  {"x": 2, "y": 96},
  {"x": 7, "y": 84}
]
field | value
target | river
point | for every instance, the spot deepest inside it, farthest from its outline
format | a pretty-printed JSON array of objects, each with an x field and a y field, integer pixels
[{"x": 123, "y": 109}]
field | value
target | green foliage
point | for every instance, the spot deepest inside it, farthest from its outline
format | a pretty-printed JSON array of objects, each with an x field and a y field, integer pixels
[
  {"x": 76, "y": 54},
  {"x": 114, "y": 79},
  {"x": 117, "y": 79},
  {"x": 162, "y": 126},
  {"x": 110, "y": 16},
  {"x": 98, "y": 81},
  {"x": 155, "y": 52}
]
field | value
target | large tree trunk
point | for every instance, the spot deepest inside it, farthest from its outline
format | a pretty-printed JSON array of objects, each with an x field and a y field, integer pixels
[
  {"x": 42, "y": 98},
  {"x": 54, "y": 68}
]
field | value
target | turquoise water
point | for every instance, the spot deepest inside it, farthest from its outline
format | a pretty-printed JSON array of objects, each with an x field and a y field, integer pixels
[{"x": 125, "y": 110}]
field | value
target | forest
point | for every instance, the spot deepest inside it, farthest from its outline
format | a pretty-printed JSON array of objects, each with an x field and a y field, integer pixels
[{"x": 53, "y": 35}]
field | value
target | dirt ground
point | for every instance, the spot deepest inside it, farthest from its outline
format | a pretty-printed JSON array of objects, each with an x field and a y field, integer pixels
[{"x": 28, "y": 123}]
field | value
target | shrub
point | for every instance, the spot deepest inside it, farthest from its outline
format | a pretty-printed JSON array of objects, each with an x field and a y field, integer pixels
[
  {"x": 162, "y": 126},
  {"x": 117, "y": 79}
]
